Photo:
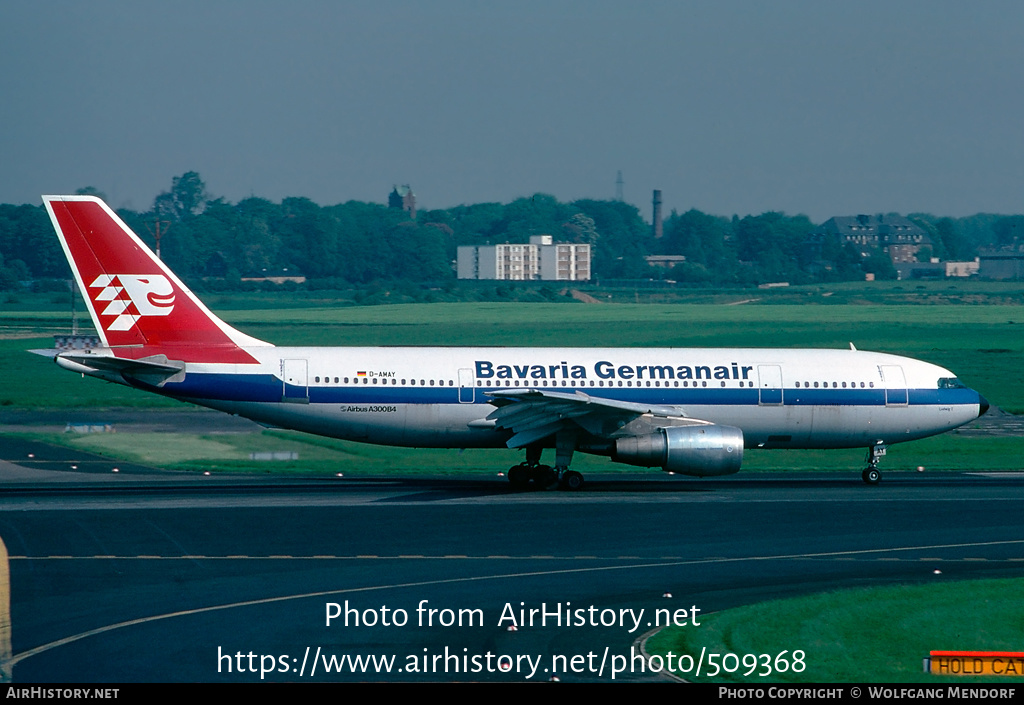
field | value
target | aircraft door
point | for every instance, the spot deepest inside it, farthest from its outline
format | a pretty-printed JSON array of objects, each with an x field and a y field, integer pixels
[
  {"x": 895, "y": 385},
  {"x": 770, "y": 384},
  {"x": 296, "y": 380},
  {"x": 467, "y": 393}
]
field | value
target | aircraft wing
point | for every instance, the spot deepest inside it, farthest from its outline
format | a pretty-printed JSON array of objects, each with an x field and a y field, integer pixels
[{"x": 535, "y": 414}]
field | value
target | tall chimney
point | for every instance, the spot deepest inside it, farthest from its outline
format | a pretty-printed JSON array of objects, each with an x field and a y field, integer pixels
[{"x": 657, "y": 214}]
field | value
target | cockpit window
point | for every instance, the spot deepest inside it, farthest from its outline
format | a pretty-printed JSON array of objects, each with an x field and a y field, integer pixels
[{"x": 950, "y": 383}]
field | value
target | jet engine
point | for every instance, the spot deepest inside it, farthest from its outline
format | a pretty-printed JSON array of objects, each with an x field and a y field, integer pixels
[{"x": 702, "y": 451}]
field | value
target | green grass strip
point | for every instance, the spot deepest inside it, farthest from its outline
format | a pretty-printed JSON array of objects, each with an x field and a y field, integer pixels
[
  {"x": 878, "y": 634},
  {"x": 229, "y": 452}
]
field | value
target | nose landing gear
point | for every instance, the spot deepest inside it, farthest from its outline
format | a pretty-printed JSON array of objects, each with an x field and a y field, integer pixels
[{"x": 871, "y": 474}]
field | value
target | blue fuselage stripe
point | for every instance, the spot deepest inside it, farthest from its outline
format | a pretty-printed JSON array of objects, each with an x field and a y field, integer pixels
[{"x": 268, "y": 388}]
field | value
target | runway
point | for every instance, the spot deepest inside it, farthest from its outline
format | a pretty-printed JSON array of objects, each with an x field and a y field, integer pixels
[{"x": 174, "y": 578}]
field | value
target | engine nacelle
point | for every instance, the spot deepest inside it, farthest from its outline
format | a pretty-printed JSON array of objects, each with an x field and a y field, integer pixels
[{"x": 691, "y": 450}]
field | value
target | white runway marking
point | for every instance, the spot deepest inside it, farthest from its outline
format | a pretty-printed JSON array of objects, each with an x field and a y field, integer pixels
[{"x": 502, "y": 576}]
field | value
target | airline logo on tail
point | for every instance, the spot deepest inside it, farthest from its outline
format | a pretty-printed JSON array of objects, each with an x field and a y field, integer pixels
[
  {"x": 133, "y": 296},
  {"x": 137, "y": 305}
]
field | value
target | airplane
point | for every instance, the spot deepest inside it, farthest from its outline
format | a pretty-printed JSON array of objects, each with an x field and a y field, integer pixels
[{"x": 689, "y": 411}]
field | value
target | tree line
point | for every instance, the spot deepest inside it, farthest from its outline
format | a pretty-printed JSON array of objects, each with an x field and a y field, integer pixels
[{"x": 212, "y": 243}]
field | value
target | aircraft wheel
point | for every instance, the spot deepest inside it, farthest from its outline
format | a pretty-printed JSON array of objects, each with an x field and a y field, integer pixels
[
  {"x": 572, "y": 480},
  {"x": 871, "y": 476},
  {"x": 545, "y": 477},
  {"x": 518, "y": 476}
]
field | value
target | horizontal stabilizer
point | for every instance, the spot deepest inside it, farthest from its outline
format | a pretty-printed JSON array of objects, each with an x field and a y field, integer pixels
[{"x": 156, "y": 370}]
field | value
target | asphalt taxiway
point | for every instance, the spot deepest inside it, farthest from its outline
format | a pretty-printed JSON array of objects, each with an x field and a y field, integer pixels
[{"x": 147, "y": 576}]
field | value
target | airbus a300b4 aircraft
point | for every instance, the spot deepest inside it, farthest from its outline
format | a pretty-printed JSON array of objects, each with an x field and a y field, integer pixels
[{"x": 688, "y": 411}]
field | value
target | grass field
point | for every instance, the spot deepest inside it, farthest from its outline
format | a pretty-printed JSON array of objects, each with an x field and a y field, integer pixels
[
  {"x": 872, "y": 635},
  {"x": 324, "y": 456}
]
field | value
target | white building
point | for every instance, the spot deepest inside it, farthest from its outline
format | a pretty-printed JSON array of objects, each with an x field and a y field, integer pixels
[
  {"x": 963, "y": 269},
  {"x": 540, "y": 259}
]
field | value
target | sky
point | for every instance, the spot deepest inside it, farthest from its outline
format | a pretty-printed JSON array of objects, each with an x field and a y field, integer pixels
[{"x": 822, "y": 108}]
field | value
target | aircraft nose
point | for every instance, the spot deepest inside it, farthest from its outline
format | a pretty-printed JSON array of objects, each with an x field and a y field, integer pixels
[{"x": 982, "y": 405}]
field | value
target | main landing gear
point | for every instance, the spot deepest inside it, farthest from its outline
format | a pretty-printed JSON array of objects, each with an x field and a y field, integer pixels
[
  {"x": 871, "y": 474},
  {"x": 544, "y": 477}
]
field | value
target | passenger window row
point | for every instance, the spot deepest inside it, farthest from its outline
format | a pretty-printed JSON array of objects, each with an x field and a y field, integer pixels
[{"x": 389, "y": 380}]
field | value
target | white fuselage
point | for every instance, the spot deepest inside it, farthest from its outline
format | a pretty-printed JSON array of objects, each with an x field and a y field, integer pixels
[{"x": 439, "y": 397}]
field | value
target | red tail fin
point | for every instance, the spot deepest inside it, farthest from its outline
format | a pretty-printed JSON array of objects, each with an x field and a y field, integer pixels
[{"x": 137, "y": 304}]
